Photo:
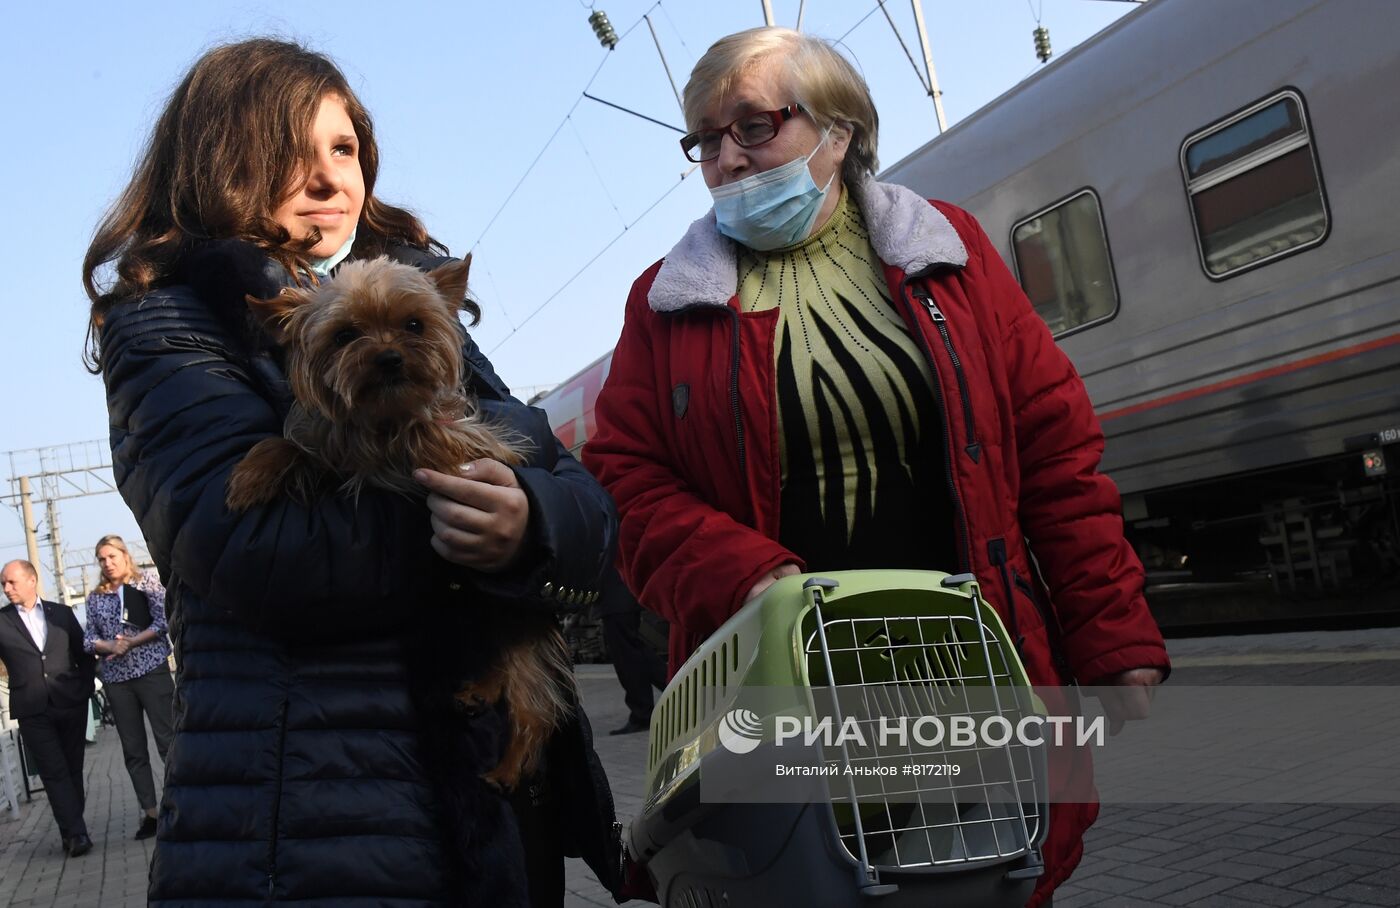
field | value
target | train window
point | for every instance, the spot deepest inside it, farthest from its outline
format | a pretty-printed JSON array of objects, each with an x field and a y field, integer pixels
[
  {"x": 1255, "y": 187},
  {"x": 1063, "y": 261}
]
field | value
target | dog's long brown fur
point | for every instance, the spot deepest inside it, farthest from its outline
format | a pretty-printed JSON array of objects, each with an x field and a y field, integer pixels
[{"x": 374, "y": 357}]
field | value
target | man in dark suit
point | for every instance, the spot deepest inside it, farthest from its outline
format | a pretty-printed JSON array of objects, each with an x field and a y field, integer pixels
[
  {"x": 638, "y": 666},
  {"x": 41, "y": 644}
]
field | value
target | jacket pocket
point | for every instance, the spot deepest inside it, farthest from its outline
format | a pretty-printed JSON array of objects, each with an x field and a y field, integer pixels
[
  {"x": 1053, "y": 634},
  {"x": 996, "y": 553}
]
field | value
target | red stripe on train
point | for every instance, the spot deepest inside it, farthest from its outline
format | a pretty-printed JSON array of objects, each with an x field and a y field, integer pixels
[{"x": 1238, "y": 380}]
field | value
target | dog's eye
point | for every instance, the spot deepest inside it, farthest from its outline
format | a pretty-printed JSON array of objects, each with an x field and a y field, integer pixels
[
  {"x": 414, "y": 325},
  {"x": 344, "y": 336}
]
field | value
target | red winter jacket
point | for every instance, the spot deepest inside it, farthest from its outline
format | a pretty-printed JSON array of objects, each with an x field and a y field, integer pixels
[{"x": 687, "y": 443}]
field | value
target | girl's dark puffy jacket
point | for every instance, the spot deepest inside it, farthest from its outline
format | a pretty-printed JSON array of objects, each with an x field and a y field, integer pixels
[
  {"x": 314, "y": 644},
  {"x": 697, "y": 485}
]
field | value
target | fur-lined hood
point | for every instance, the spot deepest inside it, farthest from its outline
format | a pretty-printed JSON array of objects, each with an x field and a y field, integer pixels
[{"x": 905, "y": 230}]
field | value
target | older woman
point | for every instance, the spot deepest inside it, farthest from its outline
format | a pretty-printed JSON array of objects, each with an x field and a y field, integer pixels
[
  {"x": 828, "y": 373},
  {"x": 126, "y": 628}
]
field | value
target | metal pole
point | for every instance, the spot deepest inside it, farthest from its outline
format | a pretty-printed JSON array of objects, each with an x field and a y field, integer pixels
[
  {"x": 801, "y": 8},
  {"x": 31, "y": 539},
  {"x": 933, "y": 88},
  {"x": 768, "y": 13},
  {"x": 56, "y": 542},
  {"x": 662, "y": 54}
]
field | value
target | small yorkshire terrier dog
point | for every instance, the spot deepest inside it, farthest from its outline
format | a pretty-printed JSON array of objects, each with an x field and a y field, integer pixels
[{"x": 374, "y": 357}]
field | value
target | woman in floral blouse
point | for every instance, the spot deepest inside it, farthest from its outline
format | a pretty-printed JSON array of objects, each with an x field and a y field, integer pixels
[{"x": 126, "y": 628}]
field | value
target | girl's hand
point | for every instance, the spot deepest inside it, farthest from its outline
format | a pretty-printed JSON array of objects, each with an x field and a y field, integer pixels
[{"x": 479, "y": 518}]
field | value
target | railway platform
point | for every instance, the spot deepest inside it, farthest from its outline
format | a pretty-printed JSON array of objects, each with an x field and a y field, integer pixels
[{"x": 1288, "y": 855}]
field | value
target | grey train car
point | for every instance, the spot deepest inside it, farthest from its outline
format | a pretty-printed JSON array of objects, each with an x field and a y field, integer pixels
[{"x": 1201, "y": 202}]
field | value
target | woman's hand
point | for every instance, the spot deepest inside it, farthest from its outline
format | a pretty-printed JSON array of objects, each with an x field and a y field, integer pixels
[
  {"x": 479, "y": 518},
  {"x": 1128, "y": 695},
  {"x": 117, "y": 646},
  {"x": 770, "y": 578}
]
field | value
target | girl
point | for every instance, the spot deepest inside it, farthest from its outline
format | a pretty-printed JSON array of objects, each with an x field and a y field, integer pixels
[{"x": 315, "y": 758}]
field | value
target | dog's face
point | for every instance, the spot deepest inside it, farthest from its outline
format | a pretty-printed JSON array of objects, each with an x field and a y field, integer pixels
[{"x": 376, "y": 344}]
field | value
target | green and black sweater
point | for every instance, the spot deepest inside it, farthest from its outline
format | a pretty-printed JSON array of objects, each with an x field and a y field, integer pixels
[{"x": 863, "y": 484}]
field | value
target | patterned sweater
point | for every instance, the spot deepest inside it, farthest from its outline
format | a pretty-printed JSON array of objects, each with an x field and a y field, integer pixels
[{"x": 104, "y": 622}]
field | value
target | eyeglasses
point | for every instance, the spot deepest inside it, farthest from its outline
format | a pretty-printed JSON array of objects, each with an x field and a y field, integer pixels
[{"x": 749, "y": 131}]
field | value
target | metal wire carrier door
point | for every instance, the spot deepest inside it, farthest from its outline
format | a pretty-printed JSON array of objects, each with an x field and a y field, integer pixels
[{"x": 912, "y": 793}]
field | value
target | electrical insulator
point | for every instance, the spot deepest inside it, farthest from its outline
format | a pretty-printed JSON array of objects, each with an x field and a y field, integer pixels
[
  {"x": 1042, "y": 43},
  {"x": 603, "y": 29}
]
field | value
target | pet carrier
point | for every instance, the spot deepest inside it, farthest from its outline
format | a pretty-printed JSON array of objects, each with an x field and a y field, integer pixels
[{"x": 869, "y": 649}]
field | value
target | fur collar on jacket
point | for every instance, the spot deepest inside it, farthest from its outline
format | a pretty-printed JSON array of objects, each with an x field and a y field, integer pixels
[{"x": 906, "y": 231}]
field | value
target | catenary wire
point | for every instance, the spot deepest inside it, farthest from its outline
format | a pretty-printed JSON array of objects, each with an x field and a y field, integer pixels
[
  {"x": 900, "y": 38},
  {"x": 555, "y": 134},
  {"x": 588, "y": 264},
  {"x": 594, "y": 167}
]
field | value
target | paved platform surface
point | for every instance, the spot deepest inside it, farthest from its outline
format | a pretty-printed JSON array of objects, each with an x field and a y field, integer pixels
[
  {"x": 1287, "y": 855},
  {"x": 1310, "y": 856}
]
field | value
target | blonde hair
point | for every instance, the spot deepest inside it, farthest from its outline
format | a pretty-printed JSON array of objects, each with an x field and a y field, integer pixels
[
  {"x": 818, "y": 78},
  {"x": 132, "y": 575}
]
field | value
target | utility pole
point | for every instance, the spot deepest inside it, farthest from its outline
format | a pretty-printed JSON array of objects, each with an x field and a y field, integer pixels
[
  {"x": 56, "y": 543},
  {"x": 31, "y": 535},
  {"x": 933, "y": 88},
  {"x": 62, "y": 471}
]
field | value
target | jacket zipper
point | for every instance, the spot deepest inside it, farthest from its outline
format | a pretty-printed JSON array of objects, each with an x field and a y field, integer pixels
[
  {"x": 277, "y": 804},
  {"x": 965, "y": 550},
  {"x": 940, "y": 321},
  {"x": 996, "y": 552}
]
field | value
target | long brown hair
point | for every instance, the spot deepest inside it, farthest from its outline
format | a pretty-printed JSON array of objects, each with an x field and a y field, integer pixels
[
  {"x": 230, "y": 145},
  {"x": 132, "y": 575}
]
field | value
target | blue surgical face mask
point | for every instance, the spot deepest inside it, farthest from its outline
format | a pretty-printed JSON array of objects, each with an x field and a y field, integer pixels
[
  {"x": 322, "y": 267},
  {"x": 772, "y": 209}
]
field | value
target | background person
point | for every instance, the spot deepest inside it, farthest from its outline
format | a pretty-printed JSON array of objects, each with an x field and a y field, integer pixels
[
  {"x": 832, "y": 373},
  {"x": 317, "y": 755},
  {"x": 126, "y": 628},
  {"x": 637, "y": 665},
  {"x": 51, "y": 678}
]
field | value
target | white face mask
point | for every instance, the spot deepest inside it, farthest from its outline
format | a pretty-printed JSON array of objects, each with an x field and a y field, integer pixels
[
  {"x": 323, "y": 267},
  {"x": 772, "y": 209}
]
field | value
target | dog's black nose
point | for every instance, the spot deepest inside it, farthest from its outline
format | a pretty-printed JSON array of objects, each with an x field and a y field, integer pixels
[{"x": 388, "y": 360}]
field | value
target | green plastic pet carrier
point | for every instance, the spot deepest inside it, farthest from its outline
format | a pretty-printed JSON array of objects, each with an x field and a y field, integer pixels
[{"x": 815, "y": 679}]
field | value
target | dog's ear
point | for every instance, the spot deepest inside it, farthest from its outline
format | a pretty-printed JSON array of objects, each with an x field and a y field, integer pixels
[
  {"x": 451, "y": 280},
  {"x": 274, "y": 312}
]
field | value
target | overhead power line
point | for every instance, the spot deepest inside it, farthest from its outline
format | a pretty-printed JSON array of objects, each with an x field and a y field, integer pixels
[
  {"x": 588, "y": 264},
  {"x": 904, "y": 47},
  {"x": 567, "y": 120},
  {"x": 552, "y": 136}
]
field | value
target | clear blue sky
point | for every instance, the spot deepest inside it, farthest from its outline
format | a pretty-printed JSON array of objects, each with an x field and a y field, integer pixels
[{"x": 465, "y": 95}]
